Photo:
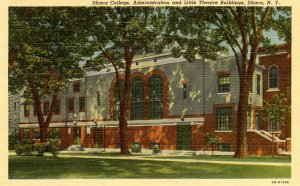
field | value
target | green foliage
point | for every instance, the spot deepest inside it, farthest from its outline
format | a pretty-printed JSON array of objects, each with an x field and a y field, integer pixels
[
  {"x": 136, "y": 148},
  {"x": 53, "y": 135},
  {"x": 274, "y": 112},
  {"x": 13, "y": 139},
  {"x": 54, "y": 147},
  {"x": 40, "y": 148},
  {"x": 212, "y": 140},
  {"x": 24, "y": 149},
  {"x": 27, "y": 141},
  {"x": 45, "y": 48},
  {"x": 155, "y": 148}
]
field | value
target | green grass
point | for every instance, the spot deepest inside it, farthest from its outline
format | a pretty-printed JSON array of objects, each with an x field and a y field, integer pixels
[
  {"x": 32, "y": 167},
  {"x": 110, "y": 154},
  {"x": 275, "y": 159}
]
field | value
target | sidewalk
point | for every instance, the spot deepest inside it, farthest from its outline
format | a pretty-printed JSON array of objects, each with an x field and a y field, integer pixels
[{"x": 156, "y": 158}]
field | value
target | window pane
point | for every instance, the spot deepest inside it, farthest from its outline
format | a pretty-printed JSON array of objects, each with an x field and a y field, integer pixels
[
  {"x": 156, "y": 97},
  {"x": 223, "y": 118},
  {"x": 117, "y": 98},
  {"x": 82, "y": 104},
  {"x": 273, "y": 77},
  {"x": 137, "y": 99},
  {"x": 46, "y": 107},
  {"x": 223, "y": 83}
]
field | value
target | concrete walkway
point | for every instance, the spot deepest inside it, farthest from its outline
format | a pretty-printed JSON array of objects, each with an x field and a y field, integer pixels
[{"x": 156, "y": 158}]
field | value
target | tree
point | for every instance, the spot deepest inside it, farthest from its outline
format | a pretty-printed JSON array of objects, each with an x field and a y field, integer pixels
[
  {"x": 114, "y": 36},
  {"x": 208, "y": 30},
  {"x": 212, "y": 140},
  {"x": 274, "y": 113},
  {"x": 43, "y": 55}
]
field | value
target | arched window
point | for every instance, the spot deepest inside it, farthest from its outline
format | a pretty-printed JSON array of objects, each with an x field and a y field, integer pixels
[
  {"x": 155, "y": 97},
  {"x": 273, "y": 77},
  {"x": 137, "y": 99},
  {"x": 117, "y": 98}
]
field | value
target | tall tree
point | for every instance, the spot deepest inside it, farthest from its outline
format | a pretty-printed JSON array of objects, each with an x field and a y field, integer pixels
[
  {"x": 114, "y": 36},
  {"x": 243, "y": 31},
  {"x": 274, "y": 113},
  {"x": 43, "y": 55}
]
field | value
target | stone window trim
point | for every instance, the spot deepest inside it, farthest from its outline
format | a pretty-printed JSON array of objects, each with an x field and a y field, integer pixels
[
  {"x": 274, "y": 87},
  {"x": 145, "y": 78},
  {"x": 76, "y": 86}
]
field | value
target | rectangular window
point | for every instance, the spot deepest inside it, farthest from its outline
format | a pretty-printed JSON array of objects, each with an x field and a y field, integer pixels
[
  {"x": 26, "y": 109},
  {"x": 224, "y": 147},
  {"x": 98, "y": 99},
  {"x": 81, "y": 104},
  {"x": 258, "y": 119},
  {"x": 26, "y": 133},
  {"x": 57, "y": 107},
  {"x": 76, "y": 87},
  {"x": 71, "y": 105},
  {"x": 46, "y": 107},
  {"x": 258, "y": 84},
  {"x": 223, "y": 118},
  {"x": 223, "y": 83},
  {"x": 36, "y": 133},
  {"x": 15, "y": 106},
  {"x": 184, "y": 91}
]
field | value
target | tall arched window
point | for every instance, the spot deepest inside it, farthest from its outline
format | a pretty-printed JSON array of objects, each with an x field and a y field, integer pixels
[
  {"x": 273, "y": 76},
  {"x": 155, "y": 97},
  {"x": 117, "y": 98},
  {"x": 137, "y": 99}
]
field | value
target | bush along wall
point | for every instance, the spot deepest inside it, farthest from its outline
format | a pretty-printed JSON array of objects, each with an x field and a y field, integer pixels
[{"x": 28, "y": 148}]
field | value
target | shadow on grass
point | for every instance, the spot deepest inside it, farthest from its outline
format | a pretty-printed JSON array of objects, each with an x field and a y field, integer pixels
[{"x": 29, "y": 167}]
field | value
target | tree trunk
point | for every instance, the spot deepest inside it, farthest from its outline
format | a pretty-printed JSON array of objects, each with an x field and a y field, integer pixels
[
  {"x": 242, "y": 147},
  {"x": 43, "y": 134},
  {"x": 123, "y": 140},
  {"x": 124, "y": 108}
]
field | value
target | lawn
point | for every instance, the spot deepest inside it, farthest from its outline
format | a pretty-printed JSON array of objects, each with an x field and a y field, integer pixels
[
  {"x": 275, "y": 159},
  {"x": 32, "y": 167}
]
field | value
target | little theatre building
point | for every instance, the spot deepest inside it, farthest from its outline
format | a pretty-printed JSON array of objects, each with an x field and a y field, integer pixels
[{"x": 172, "y": 104}]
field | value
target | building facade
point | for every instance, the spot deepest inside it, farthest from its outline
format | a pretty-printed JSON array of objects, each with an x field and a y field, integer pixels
[
  {"x": 14, "y": 113},
  {"x": 173, "y": 103}
]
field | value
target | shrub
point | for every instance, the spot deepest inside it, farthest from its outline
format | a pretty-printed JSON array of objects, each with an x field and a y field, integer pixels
[
  {"x": 155, "y": 148},
  {"x": 40, "y": 148},
  {"x": 53, "y": 147},
  {"x": 135, "y": 147},
  {"x": 13, "y": 139},
  {"x": 212, "y": 140},
  {"x": 18, "y": 149},
  {"x": 28, "y": 148},
  {"x": 24, "y": 149}
]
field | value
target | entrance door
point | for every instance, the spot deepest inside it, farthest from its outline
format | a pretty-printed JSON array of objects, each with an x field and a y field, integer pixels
[
  {"x": 77, "y": 136},
  {"x": 98, "y": 137},
  {"x": 183, "y": 137}
]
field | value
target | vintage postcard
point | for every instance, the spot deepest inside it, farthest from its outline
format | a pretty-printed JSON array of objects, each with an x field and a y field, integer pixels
[{"x": 149, "y": 92}]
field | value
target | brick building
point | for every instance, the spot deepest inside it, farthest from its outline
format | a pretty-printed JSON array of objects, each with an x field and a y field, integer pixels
[{"x": 173, "y": 103}]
